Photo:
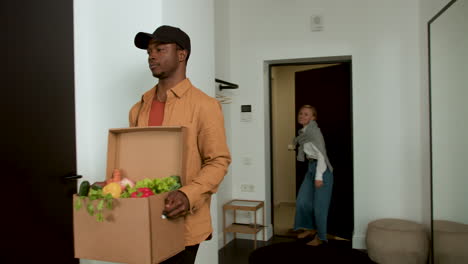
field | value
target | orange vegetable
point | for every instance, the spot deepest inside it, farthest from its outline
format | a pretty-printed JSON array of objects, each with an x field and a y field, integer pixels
[{"x": 116, "y": 176}]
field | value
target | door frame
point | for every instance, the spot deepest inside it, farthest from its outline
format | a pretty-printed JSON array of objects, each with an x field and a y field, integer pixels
[{"x": 268, "y": 65}]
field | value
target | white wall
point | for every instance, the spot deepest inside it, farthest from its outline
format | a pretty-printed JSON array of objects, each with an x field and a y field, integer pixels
[
  {"x": 222, "y": 41},
  {"x": 111, "y": 73},
  {"x": 391, "y": 157}
]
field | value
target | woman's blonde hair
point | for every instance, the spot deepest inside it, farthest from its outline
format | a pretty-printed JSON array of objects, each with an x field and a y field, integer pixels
[{"x": 312, "y": 108}]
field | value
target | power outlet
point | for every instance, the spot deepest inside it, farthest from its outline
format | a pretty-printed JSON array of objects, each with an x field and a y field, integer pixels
[{"x": 247, "y": 188}]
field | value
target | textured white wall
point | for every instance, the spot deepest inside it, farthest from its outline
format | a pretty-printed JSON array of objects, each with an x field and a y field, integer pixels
[
  {"x": 383, "y": 38},
  {"x": 111, "y": 73}
]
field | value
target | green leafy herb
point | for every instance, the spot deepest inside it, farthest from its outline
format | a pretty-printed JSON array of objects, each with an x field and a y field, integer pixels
[
  {"x": 79, "y": 203},
  {"x": 100, "y": 205},
  {"x": 109, "y": 202},
  {"x": 102, "y": 201},
  {"x": 90, "y": 208},
  {"x": 99, "y": 217}
]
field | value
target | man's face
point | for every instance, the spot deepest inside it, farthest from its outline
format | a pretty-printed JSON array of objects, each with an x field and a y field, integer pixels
[{"x": 163, "y": 59}]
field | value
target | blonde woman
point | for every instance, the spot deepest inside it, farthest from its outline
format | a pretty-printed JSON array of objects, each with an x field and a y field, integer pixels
[{"x": 313, "y": 199}]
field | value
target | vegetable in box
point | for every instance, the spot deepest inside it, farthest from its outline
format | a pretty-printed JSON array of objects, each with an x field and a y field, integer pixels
[{"x": 117, "y": 187}]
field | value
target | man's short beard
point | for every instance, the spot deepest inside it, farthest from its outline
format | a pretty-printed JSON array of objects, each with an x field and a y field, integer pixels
[{"x": 160, "y": 75}]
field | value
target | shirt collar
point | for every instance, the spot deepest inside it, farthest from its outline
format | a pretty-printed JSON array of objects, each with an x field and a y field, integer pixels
[
  {"x": 181, "y": 88},
  {"x": 178, "y": 90}
]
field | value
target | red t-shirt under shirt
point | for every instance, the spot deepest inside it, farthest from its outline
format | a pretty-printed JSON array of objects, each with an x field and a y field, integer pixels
[{"x": 156, "y": 116}]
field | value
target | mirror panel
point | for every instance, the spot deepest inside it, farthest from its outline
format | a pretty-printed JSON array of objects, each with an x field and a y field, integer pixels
[{"x": 448, "y": 57}]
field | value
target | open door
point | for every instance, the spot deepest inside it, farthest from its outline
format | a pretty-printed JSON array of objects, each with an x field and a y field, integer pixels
[
  {"x": 38, "y": 133},
  {"x": 329, "y": 90}
]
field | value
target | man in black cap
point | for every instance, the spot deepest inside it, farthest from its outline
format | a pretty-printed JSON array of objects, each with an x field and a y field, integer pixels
[
  {"x": 174, "y": 101},
  {"x": 163, "y": 43}
]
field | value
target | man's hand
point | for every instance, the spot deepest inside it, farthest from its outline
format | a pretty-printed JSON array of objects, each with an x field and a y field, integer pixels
[
  {"x": 176, "y": 204},
  {"x": 318, "y": 184}
]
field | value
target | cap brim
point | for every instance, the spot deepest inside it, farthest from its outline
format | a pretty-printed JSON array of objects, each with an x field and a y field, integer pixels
[{"x": 142, "y": 39}]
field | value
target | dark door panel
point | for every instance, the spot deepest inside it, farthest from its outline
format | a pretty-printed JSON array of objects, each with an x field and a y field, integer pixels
[
  {"x": 38, "y": 132},
  {"x": 329, "y": 90}
]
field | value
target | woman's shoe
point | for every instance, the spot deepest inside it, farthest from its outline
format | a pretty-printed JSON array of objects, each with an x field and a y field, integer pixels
[
  {"x": 306, "y": 233},
  {"x": 315, "y": 242}
]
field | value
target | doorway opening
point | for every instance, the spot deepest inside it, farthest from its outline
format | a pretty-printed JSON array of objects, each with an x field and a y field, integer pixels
[{"x": 326, "y": 84}]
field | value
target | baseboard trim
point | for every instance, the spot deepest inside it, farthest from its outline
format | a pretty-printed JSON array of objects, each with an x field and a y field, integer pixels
[{"x": 359, "y": 242}]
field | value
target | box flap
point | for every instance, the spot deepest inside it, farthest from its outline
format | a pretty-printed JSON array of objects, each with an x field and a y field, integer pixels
[{"x": 148, "y": 152}]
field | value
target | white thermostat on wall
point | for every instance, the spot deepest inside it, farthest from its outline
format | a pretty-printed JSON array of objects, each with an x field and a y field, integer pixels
[
  {"x": 246, "y": 113},
  {"x": 316, "y": 22}
]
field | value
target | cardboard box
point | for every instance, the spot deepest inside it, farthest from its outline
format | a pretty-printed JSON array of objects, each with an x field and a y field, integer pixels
[{"x": 133, "y": 231}]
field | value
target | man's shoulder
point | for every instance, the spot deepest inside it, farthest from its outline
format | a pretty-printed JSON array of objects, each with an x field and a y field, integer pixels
[
  {"x": 146, "y": 96},
  {"x": 201, "y": 95},
  {"x": 149, "y": 93}
]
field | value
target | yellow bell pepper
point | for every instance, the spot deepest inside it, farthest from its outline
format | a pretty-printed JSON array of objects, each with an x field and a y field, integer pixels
[{"x": 113, "y": 188}]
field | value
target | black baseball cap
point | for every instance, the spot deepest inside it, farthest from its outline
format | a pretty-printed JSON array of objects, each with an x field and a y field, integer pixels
[{"x": 164, "y": 34}]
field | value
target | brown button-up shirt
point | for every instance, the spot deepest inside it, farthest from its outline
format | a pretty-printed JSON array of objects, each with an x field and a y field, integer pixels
[{"x": 208, "y": 156}]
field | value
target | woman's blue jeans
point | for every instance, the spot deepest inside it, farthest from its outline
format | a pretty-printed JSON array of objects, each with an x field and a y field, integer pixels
[{"x": 312, "y": 203}]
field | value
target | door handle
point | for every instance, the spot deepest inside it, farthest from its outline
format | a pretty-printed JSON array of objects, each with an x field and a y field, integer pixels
[{"x": 72, "y": 177}]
